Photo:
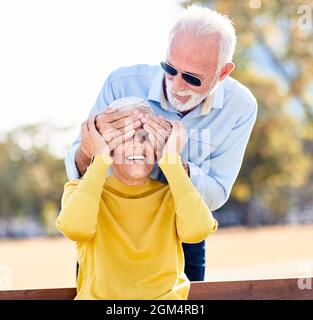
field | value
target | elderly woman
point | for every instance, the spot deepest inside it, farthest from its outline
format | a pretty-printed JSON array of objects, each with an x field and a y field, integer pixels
[{"x": 128, "y": 227}]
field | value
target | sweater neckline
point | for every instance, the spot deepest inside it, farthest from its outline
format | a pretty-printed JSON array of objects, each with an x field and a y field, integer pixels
[{"x": 121, "y": 187}]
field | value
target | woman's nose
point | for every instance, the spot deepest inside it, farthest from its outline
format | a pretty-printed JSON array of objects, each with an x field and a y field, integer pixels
[{"x": 138, "y": 140}]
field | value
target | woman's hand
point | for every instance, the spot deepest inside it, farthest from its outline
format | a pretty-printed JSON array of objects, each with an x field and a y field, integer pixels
[{"x": 176, "y": 140}]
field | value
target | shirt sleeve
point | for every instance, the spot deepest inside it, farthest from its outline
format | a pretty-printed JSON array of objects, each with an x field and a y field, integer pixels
[
  {"x": 216, "y": 175},
  {"x": 194, "y": 220},
  {"x": 80, "y": 201},
  {"x": 104, "y": 98}
]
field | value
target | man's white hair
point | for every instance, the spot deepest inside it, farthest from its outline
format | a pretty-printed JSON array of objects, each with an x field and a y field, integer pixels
[
  {"x": 129, "y": 103},
  {"x": 204, "y": 22}
]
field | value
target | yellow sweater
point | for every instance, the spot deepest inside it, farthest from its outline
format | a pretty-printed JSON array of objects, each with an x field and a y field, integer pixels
[{"x": 129, "y": 238}]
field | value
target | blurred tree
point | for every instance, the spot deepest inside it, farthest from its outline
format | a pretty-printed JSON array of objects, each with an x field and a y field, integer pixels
[
  {"x": 31, "y": 177},
  {"x": 275, "y": 163},
  {"x": 278, "y": 160}
]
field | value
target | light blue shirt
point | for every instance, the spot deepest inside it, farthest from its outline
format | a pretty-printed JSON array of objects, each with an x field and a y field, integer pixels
[{"x": 218, "y": 129}]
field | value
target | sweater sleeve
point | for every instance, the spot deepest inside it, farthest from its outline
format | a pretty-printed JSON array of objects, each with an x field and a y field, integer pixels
[
  {"x": 80, "y": 201},
  {"x": 194, "y": 220}
]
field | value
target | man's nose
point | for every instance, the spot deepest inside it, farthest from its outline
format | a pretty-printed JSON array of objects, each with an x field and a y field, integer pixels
[{"x": 178, "y": 83}]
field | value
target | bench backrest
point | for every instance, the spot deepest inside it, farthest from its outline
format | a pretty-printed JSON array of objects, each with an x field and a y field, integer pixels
[{"x": 290, "y": 289}]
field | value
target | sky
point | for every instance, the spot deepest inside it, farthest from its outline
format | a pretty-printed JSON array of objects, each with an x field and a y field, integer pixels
[{"x": 55, "y": 55}]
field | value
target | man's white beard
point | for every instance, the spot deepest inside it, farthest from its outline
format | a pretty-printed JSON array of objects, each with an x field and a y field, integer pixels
[{"x": 193, "y": 101}]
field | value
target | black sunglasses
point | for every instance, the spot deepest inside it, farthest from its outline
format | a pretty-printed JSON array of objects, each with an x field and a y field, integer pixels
[{"x": 189, "y": 78}]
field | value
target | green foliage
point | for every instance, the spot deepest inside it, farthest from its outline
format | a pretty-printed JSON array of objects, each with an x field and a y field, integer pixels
[{"x": 275, "y": 160}]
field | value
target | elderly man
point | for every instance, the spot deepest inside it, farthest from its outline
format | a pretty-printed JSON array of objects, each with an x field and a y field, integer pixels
[{"x": 192, "y": 86}]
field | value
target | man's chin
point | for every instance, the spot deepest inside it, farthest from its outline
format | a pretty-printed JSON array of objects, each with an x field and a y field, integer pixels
[{"x": 183, "y": 107}]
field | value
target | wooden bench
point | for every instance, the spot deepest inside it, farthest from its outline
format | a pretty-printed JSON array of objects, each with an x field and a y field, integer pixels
[{"x": 275, "y": 289}]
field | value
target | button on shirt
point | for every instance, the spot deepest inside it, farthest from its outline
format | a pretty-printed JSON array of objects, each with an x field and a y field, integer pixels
[{"x": 218, "y": 129}]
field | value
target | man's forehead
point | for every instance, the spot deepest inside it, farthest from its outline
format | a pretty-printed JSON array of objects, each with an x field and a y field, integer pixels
[
  {"x": 188, "y": 40},
  {"x": 193, "y": 54}
]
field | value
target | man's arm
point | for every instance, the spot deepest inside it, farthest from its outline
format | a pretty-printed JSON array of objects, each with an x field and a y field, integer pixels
[
  {"x": 81, "y": 161},
  {"x": 215, "y": 177}
]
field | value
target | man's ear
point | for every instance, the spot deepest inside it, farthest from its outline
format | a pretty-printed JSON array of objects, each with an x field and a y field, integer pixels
[{"x": 227, "y": 70}]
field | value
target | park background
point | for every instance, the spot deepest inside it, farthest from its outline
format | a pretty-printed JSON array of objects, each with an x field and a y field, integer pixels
[{"x": 54, "y": 58}]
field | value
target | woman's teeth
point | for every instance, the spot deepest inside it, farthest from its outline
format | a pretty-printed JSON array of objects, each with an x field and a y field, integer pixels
[{"x": 136, "y": 157}]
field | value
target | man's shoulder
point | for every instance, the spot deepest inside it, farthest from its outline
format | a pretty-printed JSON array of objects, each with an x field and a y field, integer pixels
[
  {"x": 134, "y": 71},
  {"x": 239, "y": 91}
]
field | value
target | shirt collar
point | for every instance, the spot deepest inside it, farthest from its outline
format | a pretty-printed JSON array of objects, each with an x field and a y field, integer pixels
[
  {"x": 215, "y": 101},
  {"x": 156, "y": 93}
]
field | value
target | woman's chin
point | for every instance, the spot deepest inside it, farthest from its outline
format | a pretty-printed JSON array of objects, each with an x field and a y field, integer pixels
[{"x": 139, "y": 171}]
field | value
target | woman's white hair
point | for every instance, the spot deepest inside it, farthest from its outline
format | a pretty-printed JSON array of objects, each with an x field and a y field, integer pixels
[
  {"x": 204, "y": 22},
  {"x": 129, "y": 103}
]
